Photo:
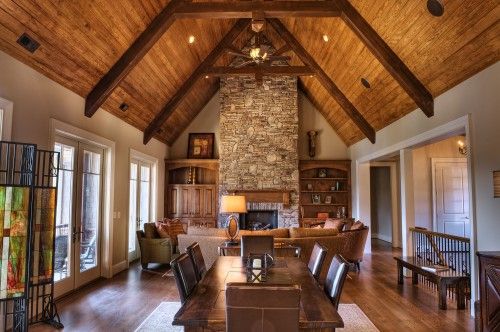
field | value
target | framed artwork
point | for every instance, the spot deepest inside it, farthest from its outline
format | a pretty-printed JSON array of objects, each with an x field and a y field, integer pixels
[
  {"x": 328, "y": 200},
  {"x": 322, "y": 172},
  {"x": 316, "y": 198},
  {"x": 309, "y": 187},
  {"x": 201, "y": 146}
]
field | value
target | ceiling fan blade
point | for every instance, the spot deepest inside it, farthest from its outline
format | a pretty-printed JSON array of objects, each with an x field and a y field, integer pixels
[
  {"x": 243, "y": 64},
  {"x": 279, "y": 58},
  {"x": 239, "y": 54}
]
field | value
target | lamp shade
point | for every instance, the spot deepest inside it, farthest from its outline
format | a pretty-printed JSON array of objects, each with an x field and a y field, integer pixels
[{"x": 233, "y": 204}]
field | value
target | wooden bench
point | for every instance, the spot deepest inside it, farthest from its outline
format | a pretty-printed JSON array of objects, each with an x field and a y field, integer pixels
[{"x": 442, "y": 279}]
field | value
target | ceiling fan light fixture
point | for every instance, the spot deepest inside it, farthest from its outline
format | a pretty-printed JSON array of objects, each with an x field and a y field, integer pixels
[{"x": 255, "y": 53}]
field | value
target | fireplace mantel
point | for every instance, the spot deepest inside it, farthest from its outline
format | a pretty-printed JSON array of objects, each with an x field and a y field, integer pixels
[{"x": 265, "y": 195}]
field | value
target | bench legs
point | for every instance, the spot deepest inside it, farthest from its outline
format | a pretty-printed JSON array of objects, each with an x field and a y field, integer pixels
[
  {"x": 400, "y": 273},
  {"x": 442, "y": 294},
  {"x": 461, "y": 295}
]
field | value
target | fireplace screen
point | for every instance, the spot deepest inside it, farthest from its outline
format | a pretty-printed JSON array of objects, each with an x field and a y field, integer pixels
[{"x": 256, "y": 220}]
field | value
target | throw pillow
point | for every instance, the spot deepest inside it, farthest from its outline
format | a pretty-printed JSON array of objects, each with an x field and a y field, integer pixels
[
  {"x": 150, "y": 231},
  {"x": 357, "y": 225},
  {"x": 348, "y": 224},
  {"x": 338, "y": 224},
  {"x": 175, "y": 228},
  {"x": 162, "y": 229}
]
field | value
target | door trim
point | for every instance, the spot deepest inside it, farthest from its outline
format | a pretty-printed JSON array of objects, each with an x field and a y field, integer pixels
[
  {"x": 60, "y": 128},
  {"x": 435, "y": 161}
]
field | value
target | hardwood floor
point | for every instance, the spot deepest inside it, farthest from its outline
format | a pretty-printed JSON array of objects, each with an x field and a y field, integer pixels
[{"x": 122, "y": 303}]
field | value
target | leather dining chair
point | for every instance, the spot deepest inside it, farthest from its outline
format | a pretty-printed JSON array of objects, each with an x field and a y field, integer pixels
[
  {"x": 185, "y": 276},
  {"x": 262, "y": 307},
  {"x": 257, "y": 244},
  {"x": 194, "y": 252},
  {"x": 335, "y": 278},
  {"x": 317, "y": 259}
]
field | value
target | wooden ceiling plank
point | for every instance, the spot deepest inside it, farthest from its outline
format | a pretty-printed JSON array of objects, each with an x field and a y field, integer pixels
[
  {"x": 187, "y": 85},
  {"x": 394, "y": 65},
  {"x": 244, "y": 9},
  {"x": 325, "y": 80},
  {"x": 260, "y": 70},
  {"x": 131, "y": 57}
]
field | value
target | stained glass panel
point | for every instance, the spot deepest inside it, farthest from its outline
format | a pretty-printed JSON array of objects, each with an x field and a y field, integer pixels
[
  {"x": 14, "y": 217},
  {"x": 43, "y": 246}
]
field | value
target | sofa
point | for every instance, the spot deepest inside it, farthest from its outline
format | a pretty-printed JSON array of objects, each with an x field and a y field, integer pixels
[{"x": 211, "y": 238}]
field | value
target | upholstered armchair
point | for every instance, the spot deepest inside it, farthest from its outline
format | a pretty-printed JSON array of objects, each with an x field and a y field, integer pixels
[
  {"x": 354, "y": 248},
  {"x": 154, "y": 249}
]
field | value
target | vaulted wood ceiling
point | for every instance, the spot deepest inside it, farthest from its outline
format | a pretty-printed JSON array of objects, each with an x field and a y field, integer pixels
[{"x": 82, "y": 40}]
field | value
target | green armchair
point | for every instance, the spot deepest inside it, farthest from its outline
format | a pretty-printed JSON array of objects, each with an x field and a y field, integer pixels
[{"x": 154, "y": 249}]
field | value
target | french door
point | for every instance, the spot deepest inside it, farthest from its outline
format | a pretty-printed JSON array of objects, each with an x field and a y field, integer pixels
[
  {"x": 79, "y": 213},
  {"x": 139, "y": 203}
]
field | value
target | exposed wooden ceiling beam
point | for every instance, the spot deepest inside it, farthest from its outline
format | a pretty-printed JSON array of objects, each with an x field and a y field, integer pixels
[
  {"x": 131, "y": 57},
  {"x": 324, "y": 79},
  {"x": 260, "y": 70},
  {"x": 392, "y": 63},
  {"x": 165, "y": 112},
  {"x": 244, "y": 9},
  {"x": 282, "y": 50}
]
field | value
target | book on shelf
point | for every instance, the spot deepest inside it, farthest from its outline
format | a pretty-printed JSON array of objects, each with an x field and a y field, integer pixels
[{"x": 435, "y": 268}]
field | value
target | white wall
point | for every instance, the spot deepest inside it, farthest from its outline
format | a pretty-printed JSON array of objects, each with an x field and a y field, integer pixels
[
  {"x": 207, "y": 121},
  {"x": 329, "y": 145},
  {"x": 422, "y": 176},
  {"x": 37, "y": 99},
  {"x": 478, "y": 96}
]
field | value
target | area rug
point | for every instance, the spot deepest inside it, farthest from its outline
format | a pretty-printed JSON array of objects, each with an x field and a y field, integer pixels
[{"x": 161, "y": 319}]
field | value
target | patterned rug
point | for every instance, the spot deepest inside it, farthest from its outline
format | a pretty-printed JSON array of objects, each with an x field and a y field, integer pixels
[{"x": 161, "y": 319}]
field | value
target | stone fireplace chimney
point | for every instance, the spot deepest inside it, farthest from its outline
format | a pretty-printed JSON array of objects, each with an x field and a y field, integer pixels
[{"x": 258, "y": 140}]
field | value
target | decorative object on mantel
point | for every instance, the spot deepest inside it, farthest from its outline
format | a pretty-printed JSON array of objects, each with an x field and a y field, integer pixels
[
  {"x": 312, "y": 142},
  {"x": 201, "y": 146},
  {"x": 232, "y": 204},
  {"x": 496, "y": 184}
]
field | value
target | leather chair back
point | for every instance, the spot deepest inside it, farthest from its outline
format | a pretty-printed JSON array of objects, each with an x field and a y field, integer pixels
[
  {"x": 194, "y": 252},
  {"x": 262, "y": 307},
  {"x": 185, "y": 276},
  {"x": 317, "y": 259},
  {"x": 335, "y": 279},
  {"x": 257, "y": 244}
]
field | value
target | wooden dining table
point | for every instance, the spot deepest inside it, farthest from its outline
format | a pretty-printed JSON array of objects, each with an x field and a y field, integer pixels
[{"x": 205, "y": 309}]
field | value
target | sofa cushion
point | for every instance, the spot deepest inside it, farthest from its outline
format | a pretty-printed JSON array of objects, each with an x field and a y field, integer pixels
[
  {"x": 357, "y": 225},
  {"x": 296, "y": 232},
  {"x": 348, "y": 224},
  {"x": 175, "y": 227},
  {"x": 150, "y": 231},
  {"x": 338, "y": 224},
  {"x": 204, "y": 231}
]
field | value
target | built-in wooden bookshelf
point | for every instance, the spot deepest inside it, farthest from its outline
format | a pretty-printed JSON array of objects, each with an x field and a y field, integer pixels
[{"x": 329, "y": 181}]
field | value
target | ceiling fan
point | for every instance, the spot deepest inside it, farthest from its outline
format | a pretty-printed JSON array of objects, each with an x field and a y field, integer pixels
[{"x": 259, "y": 52}]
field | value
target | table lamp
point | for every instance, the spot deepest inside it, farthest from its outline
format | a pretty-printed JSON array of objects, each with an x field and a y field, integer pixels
[{"x": 232, "y": 204}]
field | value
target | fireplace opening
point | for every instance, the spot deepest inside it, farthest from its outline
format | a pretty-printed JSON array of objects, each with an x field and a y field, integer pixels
[{"x": 259, "y": 219}]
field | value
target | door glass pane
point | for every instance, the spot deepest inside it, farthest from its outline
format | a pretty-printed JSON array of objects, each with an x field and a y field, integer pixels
[
  {"x": 132, "y": 219},
  {"x": 64, "y": 211},
  {"x": 91, "y": 182},
  {"x": 144, "y": 199}
]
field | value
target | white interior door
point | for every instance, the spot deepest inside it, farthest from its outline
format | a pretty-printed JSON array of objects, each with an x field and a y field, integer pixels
[
  {"x": 451, "y": 196},
  {"x": 139, "y": 202},
  {"x": 78, "y": 216}
]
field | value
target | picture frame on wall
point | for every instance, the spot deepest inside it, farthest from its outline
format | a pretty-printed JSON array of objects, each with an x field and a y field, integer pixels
[
  {"x": 316, "y": 198},
  {"x": 328, "y": 199},
  {"x": 201, "y": 146}
]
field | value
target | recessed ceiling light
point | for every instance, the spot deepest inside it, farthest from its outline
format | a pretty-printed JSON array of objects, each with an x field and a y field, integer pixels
[
  {"x": 206, "y": 76},
  {"x": 123, "y": 107},
  {"x": 326, "y": 38},
  {"x": 435, "y": 7},
  {"x": 191, "y": 39},
  {"x": 311, "y": 76},
  {"x": 365, "y": 83}
]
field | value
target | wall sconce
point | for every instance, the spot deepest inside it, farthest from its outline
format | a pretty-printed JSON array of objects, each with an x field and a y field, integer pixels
[{"x": 462, "y": 148}]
